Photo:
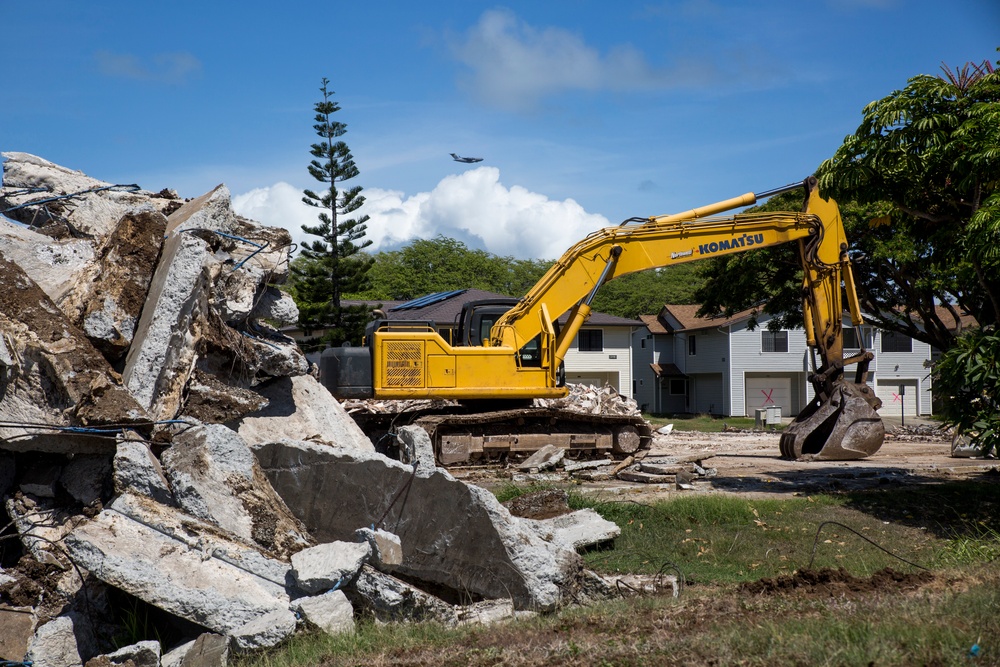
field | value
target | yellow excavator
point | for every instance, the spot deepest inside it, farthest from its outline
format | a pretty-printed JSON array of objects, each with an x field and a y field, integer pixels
[{"x": 509, "y": 351}]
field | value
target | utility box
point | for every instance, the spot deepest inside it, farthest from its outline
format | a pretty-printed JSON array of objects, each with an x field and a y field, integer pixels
[
  {"x": 760, "y": 417},
  {"x": 773, "y": 415}
]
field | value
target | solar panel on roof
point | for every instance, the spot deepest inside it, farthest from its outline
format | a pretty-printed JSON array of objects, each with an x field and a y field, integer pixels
[{"x": 427, "y": 300}]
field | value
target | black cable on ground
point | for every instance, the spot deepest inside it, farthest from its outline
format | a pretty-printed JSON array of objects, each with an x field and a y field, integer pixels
[{"x": 869, "y": 541}]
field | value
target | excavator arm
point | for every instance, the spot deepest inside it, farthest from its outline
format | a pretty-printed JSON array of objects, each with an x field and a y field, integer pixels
[{"x": 521, "y": 355}]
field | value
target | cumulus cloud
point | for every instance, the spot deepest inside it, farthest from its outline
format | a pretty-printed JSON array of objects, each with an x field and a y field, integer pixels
[
  {"x": 473, "y": 207},
  {"x": 513, "y": 64},
  {"x": 170, "y": 68}
]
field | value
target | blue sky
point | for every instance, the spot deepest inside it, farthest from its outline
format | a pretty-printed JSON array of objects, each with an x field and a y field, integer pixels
[{"x": 585, "y": 113}]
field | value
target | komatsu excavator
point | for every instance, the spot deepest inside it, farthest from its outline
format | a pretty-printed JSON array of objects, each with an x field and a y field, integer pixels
[{"x": 507, "y": 352}]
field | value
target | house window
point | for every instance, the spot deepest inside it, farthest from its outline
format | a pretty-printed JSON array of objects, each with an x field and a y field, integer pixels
[
  {"x": 896, "y": 342},
  {"x": 642, "y": 343},
  {"x": 851, "y": 339},
  {"x": 591, "y": 340},
  {"x": 692, "y": 348},
  {"x": 774, "y": 341},
  {"x": 678, "y": 387}
]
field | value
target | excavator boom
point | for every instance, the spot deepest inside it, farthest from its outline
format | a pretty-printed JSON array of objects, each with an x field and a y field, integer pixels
[{"x": 521, "y": 355}]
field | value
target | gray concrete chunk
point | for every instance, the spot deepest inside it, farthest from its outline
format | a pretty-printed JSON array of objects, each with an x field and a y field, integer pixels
[
  {"x": 143, "y": 654},
  {"x": 263, "y": 632},
  {"x": 577, "y": 530},
  {"x": 387, "y": 549},
  {"x": 329, "y": 565},
  {"x": 330, "y": 612},
  {"x": 136, "y": 470},
  {"x": 54, "y": 644},
  {"x": 452, "y": 533}
]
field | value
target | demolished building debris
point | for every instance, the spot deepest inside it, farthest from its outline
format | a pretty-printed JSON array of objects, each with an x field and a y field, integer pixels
[{"x": 164, "y": 450}]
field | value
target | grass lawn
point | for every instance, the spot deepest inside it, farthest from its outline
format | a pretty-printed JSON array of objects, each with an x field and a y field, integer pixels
[{"x": 740, "y": 604}]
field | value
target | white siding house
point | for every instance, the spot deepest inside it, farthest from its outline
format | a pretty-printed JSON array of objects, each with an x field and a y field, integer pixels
[{"x": 725, "y": 368}]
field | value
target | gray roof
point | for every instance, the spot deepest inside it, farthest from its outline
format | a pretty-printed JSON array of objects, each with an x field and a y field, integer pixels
[{"x": 446, "y": 310}]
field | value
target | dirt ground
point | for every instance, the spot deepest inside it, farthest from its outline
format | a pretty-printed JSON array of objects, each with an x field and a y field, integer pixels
[{"x": 750, "y": 463}]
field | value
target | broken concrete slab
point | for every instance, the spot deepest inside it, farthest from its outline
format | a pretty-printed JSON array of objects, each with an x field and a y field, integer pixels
[
  {"x": 85, "y": 476},
  {"x": 180, "y": 566},
  {"x": 41, "y": 480},
  {"x": 386, "y": 548},
  {"x": 208, "y": 650},
  {"x": 17, "y": 627},
  {"x": 539, "y": 504},
  {"x": 60, "y": 378},
  {"x": 215, "y": 477},
  {"x": 545, "y": 458},
  {"x": 54, "y": 644},
  {"x": 329, "y": 565},
  {"x": 212, "y": 400},
  {"x": 331, "y": 612},
  {"x": 107, "y": 300},
  {"x": 576, "y": 466},
  {"x": 136, "y": 470},
  {"x": 452, "y": 533},
  {"x": 388, "y": 599},
  {"x": 142, "y": 654},
  {"x": 300, "y": 408},
  {"x": 264, "y": 632},
  {"x": 486, "y": 612},
  {"x": 645, "y": 477},
  {"x": 416, "y": 447},
  {"x": 577, "y": 530},
  {"x": 160, "y": 359}
]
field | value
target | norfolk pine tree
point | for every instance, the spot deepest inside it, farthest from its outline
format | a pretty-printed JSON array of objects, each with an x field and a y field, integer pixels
[{"x": 334, "y": 264}]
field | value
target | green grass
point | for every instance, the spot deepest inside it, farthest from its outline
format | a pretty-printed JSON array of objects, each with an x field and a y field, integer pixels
[
  {"x": 718, "y": 541},
  {"x": 703, "y": 423}
]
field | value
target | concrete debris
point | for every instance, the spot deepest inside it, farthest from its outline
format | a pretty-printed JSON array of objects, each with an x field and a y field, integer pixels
[
  {"x": 137, "y": 470},
  {"x": 17, "y": 627},
  {"x": 54, "y": 644},
  {"x": 416, "y": 447},
  {"x": 329, "y": 566},
  {"x": 142, "y": 654},
  {"x": 577, "y": 530},
  {"x": 215, "y": 477},
  {"x": 444, "y": 524},
  {"x": 588, "y": 399},
  {"x": 542, "y": 504},
  {"x": 300, "y": 408},
  {"x": 164, "y": 448},
  {"x": 331, "y": 612},
  {"x": 387, "y": 599},
  {"x": 386, "y": 548},
  {"x": 208, "y": 650},
  {"x": 264, "y": 631},
  {"x": 545, "y": 458}
]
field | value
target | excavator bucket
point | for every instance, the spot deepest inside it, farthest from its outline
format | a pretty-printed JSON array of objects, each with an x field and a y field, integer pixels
[{"x": 843, "y": 428}]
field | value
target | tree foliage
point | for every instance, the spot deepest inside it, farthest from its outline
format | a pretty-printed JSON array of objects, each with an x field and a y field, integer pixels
[
  {"x": 969, "y": 376},
  {"x": 645, "y": 292},
  {"x": 442, "y": 264},
  {"x": 334, "y": 264},
  {"x": 917, "y": 186}
]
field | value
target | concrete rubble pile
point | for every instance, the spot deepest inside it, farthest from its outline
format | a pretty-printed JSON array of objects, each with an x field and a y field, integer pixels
[
  {"x": 549, "y": 464},
  {"x": 177, "y": 485},
  {"x": 588, "y": 399}
]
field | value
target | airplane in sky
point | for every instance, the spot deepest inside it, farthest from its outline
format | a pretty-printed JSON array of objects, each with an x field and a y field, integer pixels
[{"x": 459, "y": 158}]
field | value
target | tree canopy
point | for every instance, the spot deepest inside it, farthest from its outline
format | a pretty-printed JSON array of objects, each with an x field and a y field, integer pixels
[{"x": 917, "y": 187}]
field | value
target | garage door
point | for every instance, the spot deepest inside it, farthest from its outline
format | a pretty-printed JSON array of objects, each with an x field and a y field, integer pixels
[
  {"x": 763, "y": 392},
  {"x": 898, "y": 395}
]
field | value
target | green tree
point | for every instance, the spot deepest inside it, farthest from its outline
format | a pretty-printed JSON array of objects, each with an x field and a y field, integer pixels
[
  {"x": 645, "y": 292},
  {"x": 441, "y": 264},
  {"x": 335, "y": 264},
  {"x": 917, "y": 185}
]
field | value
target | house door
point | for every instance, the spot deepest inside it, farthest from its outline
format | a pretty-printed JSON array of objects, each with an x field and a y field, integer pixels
[
  {"x": 897, "y": 396},
  {"x": 764, "y": 392}
]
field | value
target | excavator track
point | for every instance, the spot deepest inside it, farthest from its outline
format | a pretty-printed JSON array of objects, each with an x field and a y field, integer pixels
[{"x": 478, "y": 437}]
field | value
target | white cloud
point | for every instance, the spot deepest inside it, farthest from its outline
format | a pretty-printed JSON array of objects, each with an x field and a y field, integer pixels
[
  {"x": 473, "y": 207},
  {"x": 514, "y": 65},
  {"x": 170, "y": 68}
]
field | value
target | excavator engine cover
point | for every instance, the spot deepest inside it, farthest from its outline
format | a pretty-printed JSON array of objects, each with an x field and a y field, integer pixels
[{"x": 846, "y": 427}]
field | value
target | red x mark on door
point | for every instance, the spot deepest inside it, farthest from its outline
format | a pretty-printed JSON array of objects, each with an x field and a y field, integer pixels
[
  {"x": 896, "y": 398},
  {"x": 767, "y": 395}
]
